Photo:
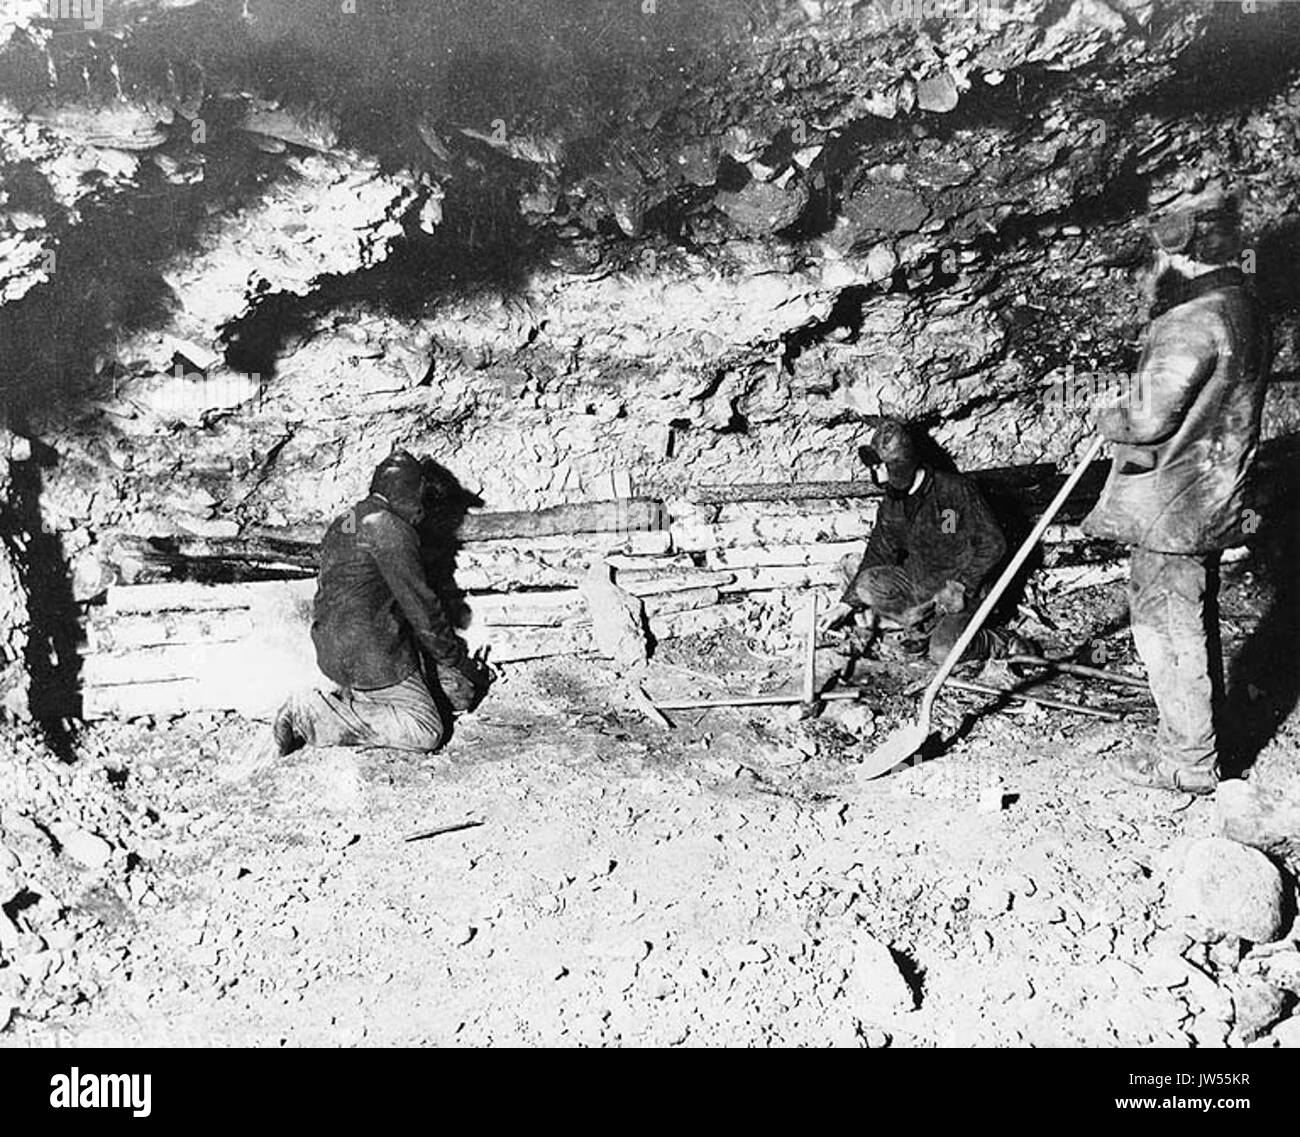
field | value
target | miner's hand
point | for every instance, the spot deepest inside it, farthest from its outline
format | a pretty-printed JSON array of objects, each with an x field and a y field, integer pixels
[
  {"x": 916, "y": 615},
  {"x": 951, "y": 598},
  {"x": 466, "y": 684},
  {"x": 836, "y": 616}
]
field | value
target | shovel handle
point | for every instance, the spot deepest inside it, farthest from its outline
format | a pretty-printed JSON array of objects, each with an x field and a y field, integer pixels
[{"x": 1008, "y": 574}]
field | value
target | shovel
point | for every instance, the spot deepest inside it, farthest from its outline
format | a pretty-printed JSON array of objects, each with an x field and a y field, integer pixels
[{"x": 907, "y": 740}]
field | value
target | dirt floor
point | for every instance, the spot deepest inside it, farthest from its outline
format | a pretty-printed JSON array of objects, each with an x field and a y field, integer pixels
[{"x": 725, "y": 882}]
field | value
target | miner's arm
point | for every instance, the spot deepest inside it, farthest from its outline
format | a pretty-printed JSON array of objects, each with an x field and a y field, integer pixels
[
  {"x": 1177, "y": 359},
  {"x": 987, "y": 544},
  {"x": 886, "y": 546}
]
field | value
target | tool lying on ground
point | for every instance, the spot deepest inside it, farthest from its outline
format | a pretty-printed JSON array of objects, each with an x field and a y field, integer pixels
[
  {"x": 1067, "y": 668},
  {"x": 773, "y": 700},
  {"x": 808, "y": 698},
  {"x": 454, "y": 828},
  {"x": 908, "y": 739},
  {"x": 1040, "y": 700},
  {"x": 859, "y": 693}
]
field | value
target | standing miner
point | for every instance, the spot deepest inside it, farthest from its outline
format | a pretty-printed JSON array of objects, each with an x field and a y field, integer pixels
[
  {"x": 931, "y": 555},
  {"x": 380, "y": 630},
  {"x": 1184, "y": 440}
]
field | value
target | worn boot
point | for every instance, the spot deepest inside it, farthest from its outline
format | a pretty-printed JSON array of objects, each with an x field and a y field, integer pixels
[
  {"x": 1142, "y": 767},
  {"x": 1004, "y": 643},
  {"x": 285, "y": 730}
]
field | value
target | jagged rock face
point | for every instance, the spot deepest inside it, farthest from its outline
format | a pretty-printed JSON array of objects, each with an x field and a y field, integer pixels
[
  {"x": 13, "y": 611},
  {"x": 690, "y": 245}
]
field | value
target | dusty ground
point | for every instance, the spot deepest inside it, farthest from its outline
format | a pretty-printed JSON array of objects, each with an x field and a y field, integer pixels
[{"x": 722, "y": 883}]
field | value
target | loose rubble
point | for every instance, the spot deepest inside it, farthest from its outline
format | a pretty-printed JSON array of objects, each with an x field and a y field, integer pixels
[
  {"x": 725, "y": 881},
  {"x": 1226, "y": 889}
]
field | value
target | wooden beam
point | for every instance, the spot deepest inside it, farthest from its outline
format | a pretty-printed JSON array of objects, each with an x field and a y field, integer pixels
[
  {"x": 630, "y": 515},
  {"x": 1032, "y": 486}
]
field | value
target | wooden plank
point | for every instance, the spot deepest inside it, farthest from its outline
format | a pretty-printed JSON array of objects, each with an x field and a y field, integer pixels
[
  {"x": 511, "y": 645},
  {"x": 179, "y": 661},
  {"x": 785, "y": 491},
  {"x": 128, "y": 630},
  {"x": 683, "y": 601},
  {"x": 1031, "y": 486},
  {"x": 640, "y": 583},
  {"x": 633, "y": 514},
  {"x": 782, "y": 577},
  {"x": 625, "y": 515},
  {"x": 191, "y": 596},
  {"x": 182, "y": 696},
  {"x": 526, "y": 609},
  {"x": 674, "y": 625},
  {"x": 1075, "y": 577},
  {"x": 759, "y": 556}
]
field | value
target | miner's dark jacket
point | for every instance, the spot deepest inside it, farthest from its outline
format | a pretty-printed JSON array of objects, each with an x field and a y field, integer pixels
[
  {"x": 944, "y": 531},
  {"x": 375, "y": 613}
]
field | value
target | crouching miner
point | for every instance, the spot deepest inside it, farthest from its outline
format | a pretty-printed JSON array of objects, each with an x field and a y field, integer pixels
[
  {"x": 1184, "y": 441},
  {"x": 930, "y": 557},
  {"x": 380, "y": 631}
]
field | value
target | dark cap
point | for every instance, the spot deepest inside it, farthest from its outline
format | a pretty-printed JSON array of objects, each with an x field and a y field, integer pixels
[
  {"x": 400, "y": 470},
  {"x": 399, "y": 478},
  {"x": 892, "y": 444},
  {"x": 1205, "y": 227}
]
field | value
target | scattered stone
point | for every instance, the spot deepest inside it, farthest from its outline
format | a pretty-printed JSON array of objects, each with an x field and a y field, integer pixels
[
  {"x": 1040, "y": 910},
  {"x": 1207, "y": 1031},
  {"x": 990, "y": 899},
  {"x": 855, "y": 718},
  {"x": 1257, "y": 1007},
  {"x": 1168, "y": 941},
  {"x": 1166, "y": 971},
  {"x": 1226, "y": 953},
  {"x": 1287, "y": 1034},
  {"x": 1229, "y": 889},
  {"x": 1284, "y": 970},
  {"x": 992, "y": 799},
  {"x": 761, "y": 207},
  {"x": 875, "y": 1039},
  {"x": 60, "y": 939},
  {"x": 87, "y": 849},
  {"x": 881, "y": 988},
  {"x": 1256, "y": 817},
  {"x": 747, "y": 953},
  {"x": 938, "y": 93}
]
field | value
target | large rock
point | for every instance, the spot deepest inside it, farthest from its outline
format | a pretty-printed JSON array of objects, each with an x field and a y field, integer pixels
[
  {"x": 617, "y": 618},
  {"x": 764, "y": 207},
  {"x": 86, "y": 848},
  {"x": 1228, "y": 889},
  {"x": 881, "y": 989},
  {"x": 1257, "y": 1006},
  {"x": 1287, "y": 1035},
  {"x": 1258, "y": 817}
]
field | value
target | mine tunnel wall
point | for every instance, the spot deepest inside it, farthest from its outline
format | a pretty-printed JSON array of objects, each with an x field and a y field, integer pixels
[{"x": 723, "y": 285}]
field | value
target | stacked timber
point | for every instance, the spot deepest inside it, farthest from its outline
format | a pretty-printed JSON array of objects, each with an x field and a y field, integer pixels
[
  {"x": 204, "y": 624},
  {"x": 183, "y": 636}
]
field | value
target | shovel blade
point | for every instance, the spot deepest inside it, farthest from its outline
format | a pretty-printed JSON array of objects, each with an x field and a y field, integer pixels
[{"x": 896, "y": 749}]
